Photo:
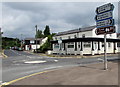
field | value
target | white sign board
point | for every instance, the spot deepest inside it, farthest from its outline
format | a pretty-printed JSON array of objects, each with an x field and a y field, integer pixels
[
  {"x": 106, "y": 15},
  {"x": 105, "y": 23},
  {"x": 104, "y": 8},
  {"x": 59, "y": 41}
]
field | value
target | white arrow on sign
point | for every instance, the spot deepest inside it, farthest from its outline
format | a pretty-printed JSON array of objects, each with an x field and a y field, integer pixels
[
  {"x": 105, "y": 23},
  {"x": 105, "y": 8},
  {"x": 103, "y": 16}
]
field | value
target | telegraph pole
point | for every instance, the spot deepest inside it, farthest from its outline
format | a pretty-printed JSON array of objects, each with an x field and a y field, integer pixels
[
  {"x": 21, "y": 40},
  {"x": 36, "y": 37}
]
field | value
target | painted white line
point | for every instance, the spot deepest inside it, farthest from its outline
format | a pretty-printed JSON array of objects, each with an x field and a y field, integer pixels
[
  {"x": 3, "y": 83},
  {"x": 53, "y": 67},
  {"x": 100, "y": 59},
  {"x": 35, "y": 62},
  {"x": 56, "y": 60}
]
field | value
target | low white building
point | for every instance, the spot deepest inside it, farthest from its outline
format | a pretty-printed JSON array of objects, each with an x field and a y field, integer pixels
[
  {"x": 32, "y": 43},
  {"x": 84, "y": 41}
]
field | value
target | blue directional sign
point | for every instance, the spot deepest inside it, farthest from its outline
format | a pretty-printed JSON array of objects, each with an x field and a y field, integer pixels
[
  {"x": 104, "y": 8},
  {"x": 104, "y": 18},
  {"x": 105, "y": 23}
]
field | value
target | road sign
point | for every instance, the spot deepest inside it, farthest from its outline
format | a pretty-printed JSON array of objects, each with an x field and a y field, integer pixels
[
  {"x": 59, "y": 41},
  {"x": 105, "y": 23},
  {"x": 103, "y": 16},
  {"x": 105, "y": 8},
  {"x": 107, "y": 30}
]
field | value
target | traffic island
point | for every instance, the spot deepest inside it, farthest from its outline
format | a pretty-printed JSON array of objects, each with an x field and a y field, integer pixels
[{"x": 91, "y": 74}]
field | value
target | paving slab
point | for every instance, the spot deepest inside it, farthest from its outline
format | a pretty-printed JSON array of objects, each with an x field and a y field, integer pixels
[{"x": 92, "y": 74}]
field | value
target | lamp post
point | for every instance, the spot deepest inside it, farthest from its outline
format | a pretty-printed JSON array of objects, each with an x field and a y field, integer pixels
[{"x": 36, "y": 37}]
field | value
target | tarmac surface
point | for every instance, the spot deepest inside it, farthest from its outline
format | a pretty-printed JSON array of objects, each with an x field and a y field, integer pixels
[{"x": 91, "y": 74}]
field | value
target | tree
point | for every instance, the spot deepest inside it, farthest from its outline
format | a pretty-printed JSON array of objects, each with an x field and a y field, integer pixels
[
  {"x": 47, "y": 31},
  {"x": 39, "y": 34},
  {"x": 47, "y": 45}
]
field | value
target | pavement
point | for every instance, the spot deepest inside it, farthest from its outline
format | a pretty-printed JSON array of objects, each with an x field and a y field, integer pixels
[{"x": 91, "y": 74}]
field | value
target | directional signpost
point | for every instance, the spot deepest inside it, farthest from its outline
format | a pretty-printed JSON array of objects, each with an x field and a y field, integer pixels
[{"x": 105, "y": 24}]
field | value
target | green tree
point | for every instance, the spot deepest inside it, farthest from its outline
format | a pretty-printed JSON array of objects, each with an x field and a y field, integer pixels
[
  {"x": 47, "y": 45},
  {"x": 39, "y": 34},
  {"x": 46, "y": 31}
]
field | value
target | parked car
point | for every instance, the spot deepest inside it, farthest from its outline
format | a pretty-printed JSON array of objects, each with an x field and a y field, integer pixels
[{"x": 20, "y": 49}]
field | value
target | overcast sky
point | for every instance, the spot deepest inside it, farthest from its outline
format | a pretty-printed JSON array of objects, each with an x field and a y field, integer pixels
[{"x": 21, "y": 17}]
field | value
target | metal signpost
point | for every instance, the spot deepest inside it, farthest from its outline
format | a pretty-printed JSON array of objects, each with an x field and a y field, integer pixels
[{"x": 105, "y": 24}]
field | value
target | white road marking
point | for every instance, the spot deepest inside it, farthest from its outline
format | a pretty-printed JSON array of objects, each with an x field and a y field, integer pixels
[
  {"x": 53, "y": 67},
  {"x": 35, "y": 62},
  {"x": 3, "y": 83},
  {"x": 56, "y": 60},
  {"x": 100, "y": 59}
]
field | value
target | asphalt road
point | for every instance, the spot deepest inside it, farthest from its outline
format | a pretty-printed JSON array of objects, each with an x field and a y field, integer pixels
[{"x": 20, "y": 64}]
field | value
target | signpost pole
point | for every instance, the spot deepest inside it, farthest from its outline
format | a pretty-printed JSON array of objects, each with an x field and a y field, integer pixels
[
  {"x": 105, "y": 54},
  {"x": 105, "y": 24}
]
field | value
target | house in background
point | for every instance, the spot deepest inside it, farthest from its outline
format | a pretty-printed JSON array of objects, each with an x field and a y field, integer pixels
[
  {"x": 83, "y": 41},
  {"x": 32, "y": 43}
]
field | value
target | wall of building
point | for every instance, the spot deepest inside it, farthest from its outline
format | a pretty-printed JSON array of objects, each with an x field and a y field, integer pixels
[{"x": 87, "y": 48}]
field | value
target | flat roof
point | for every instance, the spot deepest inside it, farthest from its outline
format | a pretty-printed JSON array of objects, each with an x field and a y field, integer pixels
[{"x": 86, "y": 40}]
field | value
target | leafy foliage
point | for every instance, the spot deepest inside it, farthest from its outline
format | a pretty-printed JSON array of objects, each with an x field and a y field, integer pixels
[
  {"x": 39, "y": 34},
  {"x": 47, "y": 31},
  {"x": 10, "y": 42}
]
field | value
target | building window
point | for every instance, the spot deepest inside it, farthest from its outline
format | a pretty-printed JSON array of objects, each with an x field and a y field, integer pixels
[
  {"x": 68, "y": 37},
  {"x": 56, "y": 45},
  {"x": 87, "y": 44},
  {"x": 110, "y": 35},
  {"x": 70, "y": 43},
  {"x": 60, "y": 38},
  {"x": 75, "y": 36},
  {"x": 83, "y": 36},
  {"x": 70, "y": 46},
  {"x": 55, "y": 38},
  {"x": 109, "y": 44},
  {"x": 32, "y": 41}
]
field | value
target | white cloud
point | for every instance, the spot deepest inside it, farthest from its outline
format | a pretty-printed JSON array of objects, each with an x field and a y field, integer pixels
[{"x": 22, "y": 17}]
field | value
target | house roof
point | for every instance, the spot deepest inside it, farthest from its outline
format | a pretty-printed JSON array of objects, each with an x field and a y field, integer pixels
[
  {"x": 76, "y": 30},
  {"x": 33, "y": 39}
]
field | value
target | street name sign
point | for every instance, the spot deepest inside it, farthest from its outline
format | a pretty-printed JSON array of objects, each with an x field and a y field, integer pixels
[
  {"x": 59, "y": 41},
  {"x": 105, "y": 8},
  {"x": 103, "y": 16},
  {"x": 105, "y": 23}
]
